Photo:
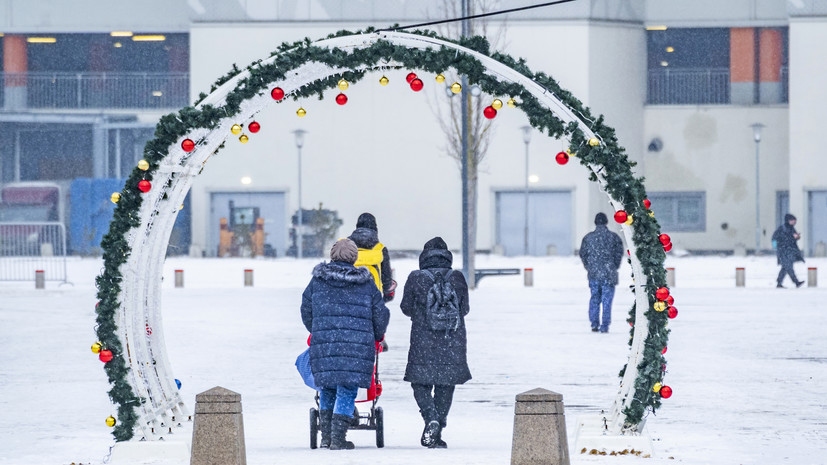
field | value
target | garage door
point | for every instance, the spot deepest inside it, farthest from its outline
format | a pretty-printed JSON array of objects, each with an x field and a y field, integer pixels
[{"x": 549, "y": 222}]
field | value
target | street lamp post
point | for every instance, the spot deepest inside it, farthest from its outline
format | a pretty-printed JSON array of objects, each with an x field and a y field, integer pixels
[
  {"x": 299, "y": 134},
  {"x": 526, "y": 138},
  {"x": 756, "y": 135}
]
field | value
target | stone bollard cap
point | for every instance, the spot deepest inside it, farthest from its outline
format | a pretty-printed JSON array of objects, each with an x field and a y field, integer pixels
[
  {"x": 218, "y": 394},
  {"x": 540, "y": 395}
]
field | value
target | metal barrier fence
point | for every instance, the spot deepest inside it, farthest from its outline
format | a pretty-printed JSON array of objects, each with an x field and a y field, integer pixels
[
  {"x": 102, "y": 90},
  {"x": 688, "y": 86},
  {"x": 28, "y": 247}
]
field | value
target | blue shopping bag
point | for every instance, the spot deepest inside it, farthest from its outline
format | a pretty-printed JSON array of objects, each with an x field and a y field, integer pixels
[{"x": 303, "y": 365}]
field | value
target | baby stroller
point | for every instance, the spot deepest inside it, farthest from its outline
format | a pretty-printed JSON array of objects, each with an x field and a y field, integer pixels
[{"x": 372, "y": 420}]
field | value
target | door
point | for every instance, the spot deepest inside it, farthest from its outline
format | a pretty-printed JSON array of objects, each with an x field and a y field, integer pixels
[
  {"x": 239, "y": 207},
  {"x": 782, "y": 207},
  {"x": 817, "y": 230},
  {"x": 549, "y": 222}
]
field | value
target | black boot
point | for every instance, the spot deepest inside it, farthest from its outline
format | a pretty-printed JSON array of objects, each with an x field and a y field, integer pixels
[
  {"x": 325, "y": 417},
  {"x": 430, "y": 434},
  {"x": 338, "y": 433}
]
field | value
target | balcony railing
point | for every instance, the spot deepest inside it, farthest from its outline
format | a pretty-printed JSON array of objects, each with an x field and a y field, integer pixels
[
  {"x": 688, "y": 86},
  {"x": 61, "y": 90}
]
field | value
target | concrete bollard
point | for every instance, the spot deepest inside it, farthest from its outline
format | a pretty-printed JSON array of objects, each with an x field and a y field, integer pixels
[
  {"x": 39, "y": 279},
  {"x": 670, "y": 278},
  {"x": 248, "y": 278},
  {"x": 528, "y": 277},
  {"x": 740, "y": 277},
  {"x": 539, "y": 429},
  {"x": 218, "y": 429},
  {"x": 179, "y": 278},
  {"x": 812, "y": 277}
]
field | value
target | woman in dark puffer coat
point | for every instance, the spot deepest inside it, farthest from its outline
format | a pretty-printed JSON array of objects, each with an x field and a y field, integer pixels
[
  {"x": 437, "y": 359},
  {"x": 346, "y": 316}
]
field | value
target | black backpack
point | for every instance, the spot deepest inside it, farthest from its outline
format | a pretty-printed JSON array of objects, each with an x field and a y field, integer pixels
[{"x": 442, "y": 305}]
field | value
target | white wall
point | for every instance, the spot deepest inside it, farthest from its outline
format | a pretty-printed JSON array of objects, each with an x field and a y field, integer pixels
[
  {"x": 383, "y": 151},
  {"x": 808, "y": 113},
  {"x": 711, "y": 148}
]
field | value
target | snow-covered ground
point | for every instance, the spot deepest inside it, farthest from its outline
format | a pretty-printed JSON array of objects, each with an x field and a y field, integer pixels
[{"x": 748, "y": 365}]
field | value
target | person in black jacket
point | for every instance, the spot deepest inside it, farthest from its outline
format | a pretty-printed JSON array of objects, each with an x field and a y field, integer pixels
[
  {"x": 436, "y": 359},
  {"x": 601, "y": 252},
  {"x": 786, "y": 249},
  {"x": 346, "y": 316},
  {"x": 373, "y": 254}
]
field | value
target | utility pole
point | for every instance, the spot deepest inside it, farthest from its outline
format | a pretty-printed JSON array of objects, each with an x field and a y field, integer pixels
[{"x": 466, "y": 246}]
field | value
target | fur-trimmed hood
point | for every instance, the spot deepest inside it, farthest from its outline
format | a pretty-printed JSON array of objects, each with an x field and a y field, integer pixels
[{"x": 343, "y": 273}]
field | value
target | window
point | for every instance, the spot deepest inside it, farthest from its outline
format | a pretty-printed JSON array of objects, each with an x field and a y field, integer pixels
[{"x": 680, "y": 211}]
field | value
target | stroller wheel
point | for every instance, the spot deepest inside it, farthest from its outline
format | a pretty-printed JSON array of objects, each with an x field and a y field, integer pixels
[
  {"x": 380, "y": 428},
  {"x": 314, "y": 428}
]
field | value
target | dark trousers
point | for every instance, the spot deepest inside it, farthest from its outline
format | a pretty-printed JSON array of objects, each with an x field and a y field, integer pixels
[
  {"x": 434, "y": 401},
  {"x": 787, "y": 269}
]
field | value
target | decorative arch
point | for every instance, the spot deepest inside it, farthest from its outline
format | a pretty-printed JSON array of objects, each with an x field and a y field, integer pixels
[{"x": 129, "y": 328}]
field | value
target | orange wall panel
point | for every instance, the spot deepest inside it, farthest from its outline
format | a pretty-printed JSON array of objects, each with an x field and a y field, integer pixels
[
  {"x": 770, "y": 55},
  {"x": 741, "y": 54}
]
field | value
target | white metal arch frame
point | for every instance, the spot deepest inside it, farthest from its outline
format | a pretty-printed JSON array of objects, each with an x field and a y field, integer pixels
[{"x": 138, "y": 319}]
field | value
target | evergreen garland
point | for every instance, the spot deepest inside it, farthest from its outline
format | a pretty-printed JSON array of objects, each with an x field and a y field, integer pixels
[{"x": 622, "y": 185}]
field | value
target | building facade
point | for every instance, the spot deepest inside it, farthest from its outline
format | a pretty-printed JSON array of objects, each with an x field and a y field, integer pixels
[{"x": 686, "y": 85}]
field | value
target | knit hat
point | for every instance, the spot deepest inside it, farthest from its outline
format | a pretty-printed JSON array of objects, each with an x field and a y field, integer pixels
[
  {"x": 788, "y": 217},
  {"x": 600, "y": 218},
  {"x": 344, "y": 250},
  {"x": 366, "y": 220},
  {"x": 436, "y": 243}
]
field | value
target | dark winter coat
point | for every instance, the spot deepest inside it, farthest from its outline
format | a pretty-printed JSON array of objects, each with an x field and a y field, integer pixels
[
  {"x": 602, "y": 252},
  {"x": 434, "y": 356},
  {"x": 345, "y": 314},
  {"x": 366, "y": 238},
  {"x": 787, "y": 249}
]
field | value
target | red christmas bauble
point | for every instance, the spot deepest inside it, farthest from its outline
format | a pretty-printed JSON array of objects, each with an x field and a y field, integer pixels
[
  {"x": 621, "y": 216},
  {"x": 188, "y": 145},
  {"x": 647, "y": 203},
  {"x": 662, "y": 293},
  {"x": 341, "y": 99},
  {"x": 664, "y": 239},
  {"x": 664, "y": 350},
  {"x": 489, "y": 112},
  {"x": 670, "y": 300},
  {"x": 277, "y": 93},
  {"x": 667, "y": 247},
  {"x": 144, "y": 186},
  {"x": 673, "y": 312},
  {"x": 416, "y": 85},
  {"x": 410, "y": 77},
  {"x": 562, "y": 158},
  {"x": 254, "y": 127},
  {"x": 666, "y": 392},
  {"x": 105, "y": 355}
]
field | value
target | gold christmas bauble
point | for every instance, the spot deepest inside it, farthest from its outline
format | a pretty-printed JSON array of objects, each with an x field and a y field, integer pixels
[
  {"x": 497, "y": 104},
  {"x": 96, "y": 348},
  {"x": 143, "y": 165},
  {"x": 384, "y": 80},
  {"x": 594, "y": 142},
  {"x": 301, "y": 112},
  {"x": 456, "y": 88},
  {"x": 660, "y": 306},
  {"x": 243, "y": 138},
  {"x": 110, "y": 421},
  {"x": 657, "y": 387},
  {"x": 511, "y": 103},
  {"x": 629, "y": 220},
  {"x": 652, "y": 214},
  {"x": 115, "y": 197},
  {"x": 181, "y": 207},
  {"x": 342, "y": 85},
  {"x": 236, "y": 129},
  {"x": 440, "y": 78}
]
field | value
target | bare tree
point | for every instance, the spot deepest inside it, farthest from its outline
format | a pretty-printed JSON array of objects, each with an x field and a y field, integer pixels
[{"x": 480, "y": 129}]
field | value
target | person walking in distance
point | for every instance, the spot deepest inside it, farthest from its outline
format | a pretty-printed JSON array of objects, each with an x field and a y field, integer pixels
[
  {"x": 373, "y": 255},
  {"x": 346, "y": 317},
  {"x": 436, "y": 300},
  {"x": 786, "y": 249},
  {"x": 601, "y": 252}
]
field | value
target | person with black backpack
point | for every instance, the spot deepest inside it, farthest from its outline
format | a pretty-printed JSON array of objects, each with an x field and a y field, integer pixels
[{"x": 436, "y": 299}]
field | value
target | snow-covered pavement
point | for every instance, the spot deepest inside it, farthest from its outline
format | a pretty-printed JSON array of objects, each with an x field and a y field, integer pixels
[{"x": 748, "y": 366}]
